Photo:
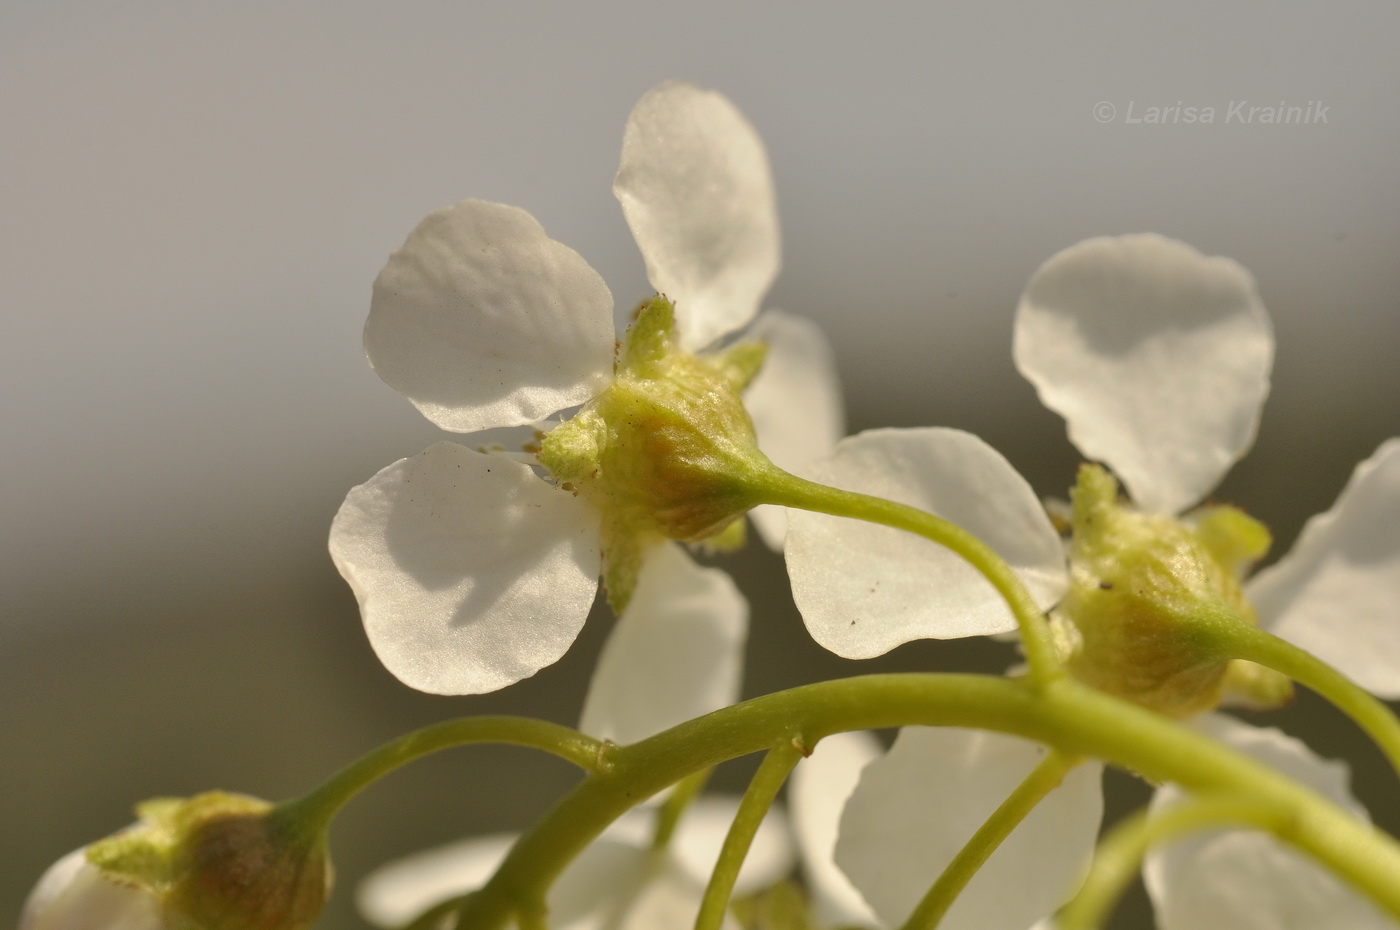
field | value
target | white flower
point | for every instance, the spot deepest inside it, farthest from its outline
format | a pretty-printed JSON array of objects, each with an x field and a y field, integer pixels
[
  {"x": 471, "y": 572},
  {"x": 75, "y": 895},
  {"x": 1158, "y": 358},
  {"x": 619, "y": 882},
  {"x": 904, "y": 814}
]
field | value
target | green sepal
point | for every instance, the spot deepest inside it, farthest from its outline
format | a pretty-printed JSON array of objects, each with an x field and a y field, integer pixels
[
  {"x": 148, "y": 854},
  {"x": 781, "y": 907},
  {"x": 742, "y": 362},
  {"x": 729, "y": 539}
]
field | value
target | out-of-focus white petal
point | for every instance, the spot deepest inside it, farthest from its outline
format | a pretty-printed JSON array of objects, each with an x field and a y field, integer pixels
[
  {"x": 677, "y": 651},
  {"x": 74, "y": 895},
  {"x": 696, "y": 844},
  {"x": 395, "y": 894},
  {"x": 864, "y": 589},
  {"x": 482, "y": 320},
  {"x": 669, "y": 899},
  {"x": 818, "y": 791},
  {"x": 1157, "y": 357},
  {"x": 597, "y": 885},
  {"x": 1337, "y": 593},
  {"x": 471, "y": 572},
  {"x": 1245, "y": 879},
  {"x": 916, "y": 807},
  {"x": 795, "y": 403},
  {"x": 618, "y": 882},
  {"x": 697, "y": 192}
]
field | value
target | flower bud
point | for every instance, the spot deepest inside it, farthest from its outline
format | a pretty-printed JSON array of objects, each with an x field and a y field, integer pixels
[{"x": 213, "y": 862}]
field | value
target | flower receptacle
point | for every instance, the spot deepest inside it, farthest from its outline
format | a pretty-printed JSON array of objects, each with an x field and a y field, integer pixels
[
  {"x": 1146, "y": 591},
  {"x": 667, "y": 451}
]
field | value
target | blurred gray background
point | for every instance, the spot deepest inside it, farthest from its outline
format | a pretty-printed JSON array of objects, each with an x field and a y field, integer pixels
[{"x": 195, "y": 198}]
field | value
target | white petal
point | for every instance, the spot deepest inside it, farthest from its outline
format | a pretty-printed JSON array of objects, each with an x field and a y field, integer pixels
[
  {"x": 795, "y": 403},
  {"x": 602, "y": 883},
  {"x": 471, "y": 572},
  {"x": 677, "y": 651},
  {"x": 1245, "y": 879},
  {"x": 395, "y": 894},
  {"x": 918, "y": 806},
  {"x": 482, "y": 320},
  {"x": 1337, "y": 593},
  {"x": 599, "y": 883},
  {"x": 1157, "y": 357},
  {"x": 697, "y": 192},
  {"x": 864, "y": 589},
  {"x": 668, "y": 900},
  {"x": 697, "y": 842},
  {"x": 74, "y": 895},
  {"x": 820, "y": 787}
]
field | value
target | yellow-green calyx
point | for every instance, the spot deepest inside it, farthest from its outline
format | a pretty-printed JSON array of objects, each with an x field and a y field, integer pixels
[
  {"x": 667, "y": 451},
  {"x": 221, "y": 861},
  {"x": 1145, "y": 592}
]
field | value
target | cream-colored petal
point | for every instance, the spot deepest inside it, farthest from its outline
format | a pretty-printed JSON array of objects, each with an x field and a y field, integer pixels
[
  {"x": 617, "y": 883},
  {"x": 598, "y": 885},
  {"x": 820, "y": 787},
  {"x": 1337, "y": 593},
  {"x": 1157, "y": 356},
  {"x": 697, "y": 192},
  {"x": 482, "y": 320},
  {"x": 75, "y": 895},
  {"x": 395, "y": 894},
  {"x": 668, "y": 899},
  {"x": 677, "y": 651},
  {"x": 471, "y": 572},
  {"x": 916, "y": 807},
  {"x": 795, "y": 403},
  {"x": 864, "y": 589},
  {"x": 696, "y": 844},
  {"x": 1245, "y": 879}
]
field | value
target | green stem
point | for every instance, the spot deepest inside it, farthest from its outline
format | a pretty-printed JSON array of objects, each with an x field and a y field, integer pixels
[
  {"x": 1242, "y": 641},
  {"x": 791, "y": 491},
  {"x": 767, "y": 781},
  {"x": 1043, "y": 779},
  {"x": 317, "y": 808},
  {"x": 1120, "y": 854},
  {"x": 1064, "y": 714}
]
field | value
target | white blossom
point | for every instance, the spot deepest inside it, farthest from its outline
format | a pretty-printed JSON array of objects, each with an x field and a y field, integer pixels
[
  {"x": 875, "y": 829},
  {"x": 1159, "y": 359},
  {"x": 472, "y": 572}
]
